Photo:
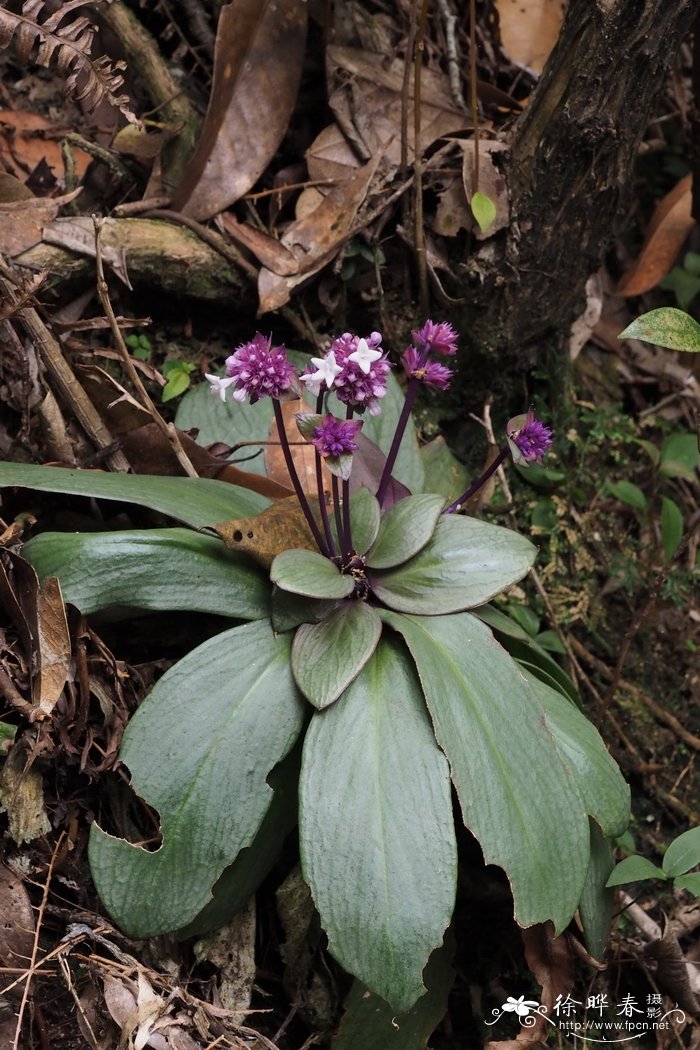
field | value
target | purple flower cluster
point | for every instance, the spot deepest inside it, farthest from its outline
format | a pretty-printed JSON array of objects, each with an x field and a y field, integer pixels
[
  {"x": 258, "y": 369},
  {"x": 432, "y": 373},
  {"x": 533, "y": 439},
  {"x": 439, "y": 338},
  {"x": 335, "y": 437},
  {"x": 362, "y": 371}
]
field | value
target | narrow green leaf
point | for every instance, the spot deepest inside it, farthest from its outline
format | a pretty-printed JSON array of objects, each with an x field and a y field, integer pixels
[
  {"x": 151, "y": 569},
  {"x": 309, "y": 573},
  {"x": 377, "y": 836},
  {"x": 464, "y": 564},
  {"x": 671, "y": 526},
  {"x": 369, "y": 1023},
  {"x": 196, "y": 501},
  {"x": 517, "y": 796},
  {"x": 600, "y": 783},
  {"x": 328, "y": 656},
  {"x": 405, "y": 529},
  {"x": 483, "y": 210},
  {"x": 665, "y": 327},
  {"x": 691, "y": 883},
  {"x": 597, "y": 901},
  {"x": 629, "y": 493},
  {"x": 683, "y": 853},
  {"x": 680, "y": 457},
  {"x": 634, "y": 869},
  {"x": 199, "y": 749}
]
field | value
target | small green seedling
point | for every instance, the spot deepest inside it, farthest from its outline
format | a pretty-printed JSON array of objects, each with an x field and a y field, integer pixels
[{"x": 681, "y": 856}]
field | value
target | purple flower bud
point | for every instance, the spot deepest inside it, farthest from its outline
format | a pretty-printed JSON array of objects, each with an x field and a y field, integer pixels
[
  {"x": 430, "y": 372},
  {"x": 361, "y": 381},
  {"x": 530, "y": 437},
  {"x": 440, "y": 338},
  {"x": 335, "y": 437},
  {"x": 259, "y": 370}
]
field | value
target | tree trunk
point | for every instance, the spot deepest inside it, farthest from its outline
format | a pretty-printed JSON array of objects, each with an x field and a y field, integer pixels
[{"x": 572, "y": 157}]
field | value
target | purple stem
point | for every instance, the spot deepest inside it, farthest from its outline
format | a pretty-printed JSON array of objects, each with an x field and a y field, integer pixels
[
  {"x": 292, "y": 470},
  {"x": 347, "y": 526},
  {"x": 411, "y": 392},
  {"x": 321, "y": 495},
  {"x": 476, "y": 485},
  {"x": 336, "y": 511}
]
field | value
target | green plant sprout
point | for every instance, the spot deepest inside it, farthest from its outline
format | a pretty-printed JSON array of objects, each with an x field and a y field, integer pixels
[{"x": 682, "y": 855}]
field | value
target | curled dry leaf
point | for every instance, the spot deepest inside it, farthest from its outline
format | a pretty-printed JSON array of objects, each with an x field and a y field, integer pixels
[
  {"x": 317, "y": 237},
  {"x": 670, "y": 224},
  {"x": 529, "y": 30},
  {"x": 257, "y": 67},
  {"x": 22, "y": 222},
  {"x": 279, "y": 528},
  {"x": 266, "y": 249}
]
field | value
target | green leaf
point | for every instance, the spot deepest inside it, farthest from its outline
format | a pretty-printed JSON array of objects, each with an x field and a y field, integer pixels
[
  {"x": 196, "y": 501},
  {"x": 680, "y": 456},
  {"x": 464, "y": 564},
  {"x": 629, "y": 493},
  {"x": 236, "y": 885},
  {"x": 7, "y": 732},
  {"x": 483, "y": 210},
  {"x": 551, "y": 641},
  {"x": 686, "y": 285},
  {"x": 518, "y": 797},
  {"x": 199, "y": 749},
  {"x": 309, "y": 573},
  {"x": 605, "y": 794},
  {"x": 597, "y": 901},
  {"x": 377, "y": 835},
  {"x": 665, "y": 327},
  {"x": 328, "y": 656},
  {"x": 365, "y": 516},
  {"x": 691, "y": 883},
  {"x": 151, "y": 569},
  {"x": 671, "y": 526},
  {"x": 369, "y": 1023},
  {"x": 634, "y": 869},
  {"x": 177, "y": 384},
  {"x": 528, "y": 620},
  {"x": 289, "y": 610},
  {"x": 405, "y": 529},
  {"x": 683, "y": 853},
  {"x": 447, "y": 475}
]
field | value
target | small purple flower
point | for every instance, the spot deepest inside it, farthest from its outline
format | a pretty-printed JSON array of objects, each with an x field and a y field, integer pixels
[
  {"x": 363, "y": 374},
  {"x": 259, "y": 370},
  {"x": 335, "y": 437},
  {"x": 430, "y": 372},
  {"x": 440, "y": 338},
  {"x": 531, "y": 437}
]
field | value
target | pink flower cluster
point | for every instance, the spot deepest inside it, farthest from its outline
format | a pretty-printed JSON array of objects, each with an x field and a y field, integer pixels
[
  {"x": 438, "y": 338},
  {"x": 356, "y": 370}
]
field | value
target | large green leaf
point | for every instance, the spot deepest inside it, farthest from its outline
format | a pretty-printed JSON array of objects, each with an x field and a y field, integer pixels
[
  {"x": 310, "y": 574},
  {"x": 597, "y": 901},
  {"x": 377, "y": 835},
  {"x": 463, "y": 565},
  {"x": 151, "y": 569},
  {"x": 196, "y": 501},
  {"x": 369, "y": 1023},
  {"x": 328, "y": 656},
  {"x": 518, "y": 797},
  {"x": 199, "y": 750},
  {"x": 405, "y": 529},
  {"x": 666, "y": 326},
  {"x": 601, "y": 785}
]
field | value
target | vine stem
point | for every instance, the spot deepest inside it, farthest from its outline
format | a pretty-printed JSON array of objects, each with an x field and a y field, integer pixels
[
  {"x": 294, "y": 477},
  {"x": 476, "y": 485}
]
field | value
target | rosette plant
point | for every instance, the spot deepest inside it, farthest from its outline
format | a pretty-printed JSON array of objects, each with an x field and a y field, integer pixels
[{"x": 367, "y": 676}]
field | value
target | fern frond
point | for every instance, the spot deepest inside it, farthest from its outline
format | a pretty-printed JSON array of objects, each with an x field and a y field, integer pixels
[{"x": 66, "y": 47}]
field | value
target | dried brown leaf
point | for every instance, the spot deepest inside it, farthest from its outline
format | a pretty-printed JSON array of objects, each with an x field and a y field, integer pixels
[
  {"x": 27, "y": 138},
  {"x": 257, "y": 67},
  {"x": 22, "y": 222},
  {"x": 279, "y": 528},
  {"x": 17, "y": 923},
  {"x": 303, "y": 454},
  {"x": 670, "y": 224},
  {"x": 22, "y": 797},
  {"x": 266, "y": 249},
  {"x": 529, "y": 30},
  {"x": 452, "y": 213}
]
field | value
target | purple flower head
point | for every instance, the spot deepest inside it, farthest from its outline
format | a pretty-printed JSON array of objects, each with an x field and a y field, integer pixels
[
  {"x": 361, "y": 381},
  {"x": 440, "y": 338},
  {"x": 259, "y": 370},
  {"x": 430, "y": 372},
  {"x": 529, "y": 437},
  {"x": 335, "y": 437}
]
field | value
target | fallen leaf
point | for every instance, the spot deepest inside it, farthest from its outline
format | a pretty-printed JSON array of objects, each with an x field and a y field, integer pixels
[
  {"x": 27, "y": 138},
  {"x": 231, "y": 949},
  {"x": 303, "y": 454},
  {"x": 53, "y": 652},
  {"x": 257, "y": 68},
  {"x": 583, "y": 326},
  {"x": 452, "y": 213},
  {"x": 145, "y": 141},
  {"x": 16, "y": 920},
  {"x": 670, "y": 224},
  {"x": 22, "y": 798},
  {"x": 330, "y": 155},
  {"x": 22, "y": 222},
  {"x": 491, "y": 182},
  {"x": 279, "y": 528},
  {"x": 529, "y": 30},
  {"x": 266, "y": 249},
  {"x": 318, "y": 237}
]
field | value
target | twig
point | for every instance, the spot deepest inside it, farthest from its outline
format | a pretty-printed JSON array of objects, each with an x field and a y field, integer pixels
[
  {"x": 15, "y": 698},
  {"x": 69, "y": 389},
  {"x": 473, "y": 91},
  {"x": 419, "y": 228},
  {"x": 451, "y": 46},
  {"x": 35, "y": 945},
  {"x": 103, "y": 294}
]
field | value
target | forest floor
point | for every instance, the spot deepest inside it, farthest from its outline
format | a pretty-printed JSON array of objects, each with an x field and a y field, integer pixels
[{"x": 614, "y": 598}]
